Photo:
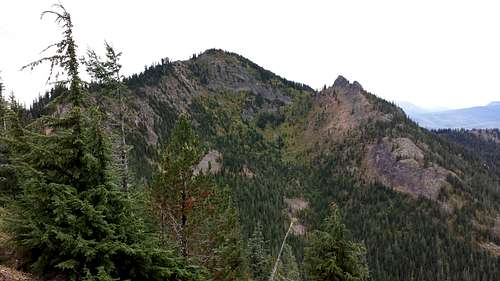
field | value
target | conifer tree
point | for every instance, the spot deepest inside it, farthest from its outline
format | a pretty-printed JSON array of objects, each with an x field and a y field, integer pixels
[
  {"x": 3, "y": 109},
  {"x": 199, "y": 218},
  {"x": 331, "y": 256},
  {"x": 107, "y": 74},
  {"x": 2, "y": 87},
  {"x": 226, "y": 253},
  {"x": 179, "y": 196},
  {"x": 64, "y": 62},
  {"x": 8, "y": 175},
  {"x": 260, "y": 267},
  {"x": 289, "y": 268},
  {"x": 71, "y": 218}
]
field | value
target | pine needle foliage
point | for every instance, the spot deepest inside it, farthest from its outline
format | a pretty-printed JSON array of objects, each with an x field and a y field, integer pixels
[
  {"x": 9, "y": 131},
  {"x": 179, "y": 197},
  {"x": 106, "y": 74},
  {"x": 192, "y": 213},
  {"x": 330, "y": 255},
  {"x": 226, "y": 255},
  {"x": 259, "y": 259},
  {"x": 71, "y": 218},
  {"x": 64, "y": 62}
]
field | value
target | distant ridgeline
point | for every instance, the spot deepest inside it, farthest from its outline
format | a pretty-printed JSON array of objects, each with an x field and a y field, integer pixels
[
  {"x": 426, "y": 204},
  {"x": 480, "y": 117}
]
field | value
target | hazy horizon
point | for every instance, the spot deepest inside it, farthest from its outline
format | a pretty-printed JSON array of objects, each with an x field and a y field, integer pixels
[{"x": 429, "y": 54}]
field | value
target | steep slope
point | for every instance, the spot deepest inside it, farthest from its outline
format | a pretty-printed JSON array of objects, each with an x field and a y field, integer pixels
[
  {"x": 392, "y": 145},
  {"x": 353, "y": 134},
  {"x": 391, "y": 149},
  {"x": 167, "y": 89},
  {"x": 426, "y": 207},
  {"x": 345, "y": 111}
]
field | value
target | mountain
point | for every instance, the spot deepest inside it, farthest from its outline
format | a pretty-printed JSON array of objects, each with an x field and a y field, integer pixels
[
  {"x": 480, "y": 117},
  {"x": 426, "y": 204},
  {"x": 411, "y": 109}
]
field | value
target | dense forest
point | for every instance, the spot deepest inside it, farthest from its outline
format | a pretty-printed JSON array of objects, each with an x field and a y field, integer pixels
[{"x": 215, "y": 168}]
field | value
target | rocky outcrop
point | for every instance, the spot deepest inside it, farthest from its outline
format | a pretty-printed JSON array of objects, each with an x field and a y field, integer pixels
[
  {"x": 295, "y": 205},
  {"x": 345, "y": 110},
  {"x": 491, "y": 247},
  {"x": 223, "y": 72},
  {"x": 496, "y": 227},
  {"x": 246, "y": 172},
  {"x": 340, "y": 109},
  {"x": 210, "y": 163},
  {"x": 399, "y": 164}
]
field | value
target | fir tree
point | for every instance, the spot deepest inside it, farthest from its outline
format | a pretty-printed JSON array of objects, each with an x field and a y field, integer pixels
[
  {"x": 258, "y": 257},
  {"x": 107, "y": 74},
  {"x": 9, "y": 133},
  {"x": 179, "y": 197},
  {"x": 226, "y": 253},
  {"x": 289, "y": 268},
  {"x": 331, "y": 256},
  {"x": 191, "y": 211},
  {"x": 3, "y": 109},
  {"x": 64, "y": 61},
  {"x": 71, "y": 218}
]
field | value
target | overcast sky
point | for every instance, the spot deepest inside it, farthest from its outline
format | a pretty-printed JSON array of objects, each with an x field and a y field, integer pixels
[{"x": 434, "y": 53}]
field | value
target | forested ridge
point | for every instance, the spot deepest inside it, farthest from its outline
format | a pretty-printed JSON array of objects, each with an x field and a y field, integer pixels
[{"x": 196, "y": 169}]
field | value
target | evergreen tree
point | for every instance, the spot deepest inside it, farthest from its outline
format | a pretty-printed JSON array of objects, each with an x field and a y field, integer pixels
[
  {"x": 64, "y": 61},
  {"x": 179, "y": 196},
  {"x": 107, "y": 74},
  {"x": 192, "y": 212},
  {"x": 226, "y": 260},
  {"x": 19, "y": 109},
  {"x": 71, "y": 218},
  {"x": 258, "y": 257},
  {"x": 3, "y": 109},
  {"x": 331, "y": 256},
  {"x": 9, "y": 132},
  {"x": 289, "y": 268}
]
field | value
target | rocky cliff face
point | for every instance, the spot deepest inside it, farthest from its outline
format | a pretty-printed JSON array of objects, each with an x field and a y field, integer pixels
[
  {"x": 345, "y": 110},
  {"x": 400, "y": 164},
  {"x": 341, "y": 108}
]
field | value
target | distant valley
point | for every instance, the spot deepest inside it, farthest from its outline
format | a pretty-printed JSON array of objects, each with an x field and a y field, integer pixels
[{"x": 479, "y": 117}]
